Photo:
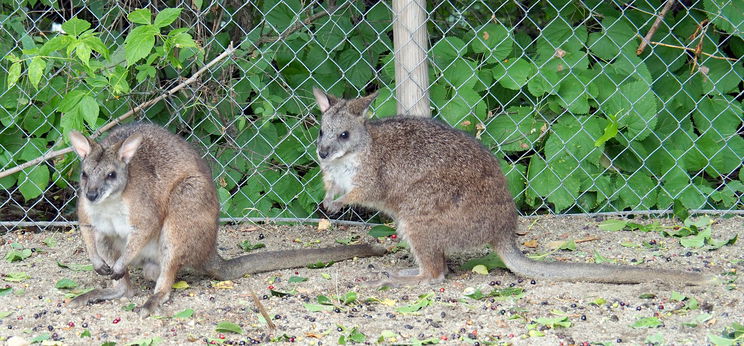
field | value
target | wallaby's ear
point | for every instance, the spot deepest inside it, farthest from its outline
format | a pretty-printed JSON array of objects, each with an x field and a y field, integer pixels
[
  {"x": 359, "y": 106},
  {"x": 325, "y": 101},
  {"x": 80, "y": 144},
  {"x": 129, "y": 147}
]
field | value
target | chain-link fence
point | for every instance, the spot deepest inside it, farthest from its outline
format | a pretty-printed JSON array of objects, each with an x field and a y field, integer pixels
[{"x": 584, "y": 119}]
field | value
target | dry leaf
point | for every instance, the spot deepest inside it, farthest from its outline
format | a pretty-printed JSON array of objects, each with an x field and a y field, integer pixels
[
  {"x": 324, "y": 224},
  {"x": 227, "y": 285},
  {"x": 530, "y": 243}
]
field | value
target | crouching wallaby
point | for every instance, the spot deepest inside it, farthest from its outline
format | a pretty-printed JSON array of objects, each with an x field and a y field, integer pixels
[
  {"x": 147, "y": 198},
  {"x": 444, "y": 190}
]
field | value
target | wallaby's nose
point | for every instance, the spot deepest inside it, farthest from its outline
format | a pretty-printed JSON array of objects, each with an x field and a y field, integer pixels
[
  {"x": 91, "y": 195},
  {"x": 323, "y": 153}
]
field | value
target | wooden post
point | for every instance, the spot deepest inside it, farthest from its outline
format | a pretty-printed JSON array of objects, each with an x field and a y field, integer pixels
[{"x": 411, "y": 41}]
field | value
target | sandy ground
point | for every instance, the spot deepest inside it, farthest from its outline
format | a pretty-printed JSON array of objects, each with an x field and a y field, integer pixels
[{"x": 549, "y": 313}]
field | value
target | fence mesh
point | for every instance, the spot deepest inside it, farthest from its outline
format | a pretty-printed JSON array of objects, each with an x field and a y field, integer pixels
[{"x": 583, "y": 122}]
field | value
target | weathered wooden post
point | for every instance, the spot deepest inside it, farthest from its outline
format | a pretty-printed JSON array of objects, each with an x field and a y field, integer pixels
[{"x": 411, "y": 41}]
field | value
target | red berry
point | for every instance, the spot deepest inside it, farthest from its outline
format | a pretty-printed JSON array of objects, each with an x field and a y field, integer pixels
[
  {"x": 441, "y": 289},
  {"x": 394, "y": 236},
  {"x": 443, "y": 337},
  {"x": 116, "y": 320},
  {"x": 70, "y": 324},
  {"x": 221, "y": 336}
]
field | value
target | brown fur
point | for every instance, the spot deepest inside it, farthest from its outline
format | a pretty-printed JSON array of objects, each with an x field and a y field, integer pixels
[
  {"x": 443, "y": 188},
  {"x": 147, "y": 198}
]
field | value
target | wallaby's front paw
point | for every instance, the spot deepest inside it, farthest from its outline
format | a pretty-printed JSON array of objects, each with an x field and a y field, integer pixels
[
  {"x": 332, "y": 206},
  {"x": 103, "y": 269},
  {"x": 119, "y": 270}
]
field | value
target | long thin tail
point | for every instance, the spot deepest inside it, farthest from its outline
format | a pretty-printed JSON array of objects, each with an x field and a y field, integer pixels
[
  {"x": 521, "y": 265},
  {"x": 223, "y": 269}
]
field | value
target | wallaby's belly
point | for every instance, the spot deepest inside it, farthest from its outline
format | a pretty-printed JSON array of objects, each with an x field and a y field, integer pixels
[{"x": 111, "y": 220}]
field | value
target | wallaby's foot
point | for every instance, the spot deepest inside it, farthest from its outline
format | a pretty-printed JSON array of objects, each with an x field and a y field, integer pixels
[
  {"x": 407, "y": 277},
  {"x": 153, "y": 304},
  {"x": 99, "y": 295}
]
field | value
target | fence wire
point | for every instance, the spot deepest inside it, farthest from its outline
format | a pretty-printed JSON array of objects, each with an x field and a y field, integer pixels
[{"x": 583, "y": 120}]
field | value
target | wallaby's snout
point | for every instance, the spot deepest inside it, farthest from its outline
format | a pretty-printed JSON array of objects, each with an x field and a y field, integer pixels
[
  {"x": 92, "y": 195},
  {"x": 323, "y": 153}
]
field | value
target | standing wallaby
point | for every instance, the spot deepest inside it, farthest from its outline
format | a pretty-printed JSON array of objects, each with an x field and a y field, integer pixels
[
  {"x": 444, "y": 190},
  {"x": 147, "y": 198}
]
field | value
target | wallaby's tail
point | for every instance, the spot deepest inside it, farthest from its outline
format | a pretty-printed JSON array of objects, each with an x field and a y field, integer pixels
[
  {"x": 223, "y": 269},
  {"x": 521, "y": 265}
]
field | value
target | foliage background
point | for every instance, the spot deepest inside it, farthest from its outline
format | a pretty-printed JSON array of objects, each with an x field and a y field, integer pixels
[{"x": 554, "y": 88}]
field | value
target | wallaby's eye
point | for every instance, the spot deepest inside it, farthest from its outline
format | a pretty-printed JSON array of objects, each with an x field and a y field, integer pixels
[
  {"x": 111, "y": 175},
  {"x": 85, "y": 175},
  {"x": 344, "y": 135}
]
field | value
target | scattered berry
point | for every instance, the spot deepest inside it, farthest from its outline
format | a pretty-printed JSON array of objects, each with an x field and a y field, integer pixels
[
  {"x": 71, "y": 324},
  {"x": 261, "y": 236},
  {"x": 393, "y": 236},
  {"x": 583, "y": 317},
  {"x": 441, "y": 289},
  {"x": 116, "y": 320}
]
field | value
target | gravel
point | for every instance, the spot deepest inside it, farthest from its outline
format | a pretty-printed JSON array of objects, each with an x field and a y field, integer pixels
[{"x": 547, "y": 313}]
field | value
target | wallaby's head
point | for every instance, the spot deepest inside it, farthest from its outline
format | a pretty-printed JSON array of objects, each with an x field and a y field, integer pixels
[
  {"x": 104, "y": 170},
  {"x": 342, "y": 129}
]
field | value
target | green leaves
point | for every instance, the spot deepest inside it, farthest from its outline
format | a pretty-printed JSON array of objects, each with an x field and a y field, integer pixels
[
  {"x": 139, "y": 42},
  {"x": 423, "y": 301},
  {"x": 17, "y": 253},
  {"x": 647, "y": 322},
  {"x": 165, "y": 17},
  {"x": 65, "y": 284},
  {"x": 247, "y": 246},
  {"x": 75, "y": 26},
  {"x": 381, "y": 231},
  {"x": 228, "y": 327}
]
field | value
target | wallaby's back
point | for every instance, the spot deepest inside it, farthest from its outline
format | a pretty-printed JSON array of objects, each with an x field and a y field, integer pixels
[{"x": 424, "y": 168}]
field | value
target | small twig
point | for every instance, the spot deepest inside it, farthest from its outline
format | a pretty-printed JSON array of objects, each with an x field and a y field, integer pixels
[
  {"x": 587, "y": 239},
  {"x": 692, "y": 50},
  {"x": 309, "y": 20},
  {"x": 262, "y": 309},
  {"x": 230, "y": 49},
  {"x": 654, "y": 27}
]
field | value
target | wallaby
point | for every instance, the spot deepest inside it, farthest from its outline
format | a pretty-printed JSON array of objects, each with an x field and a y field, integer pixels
[
  {"x": 444, "y": 190},
  {"x": 147, "y": 198}
]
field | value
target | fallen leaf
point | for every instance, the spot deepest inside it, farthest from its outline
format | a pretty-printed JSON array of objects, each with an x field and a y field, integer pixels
[
  {"x": 530, "y": 243},
  {"x": 480, "y": 269},
  {"x": 227, "y": 285},
  {"x": 181, "y": 285},
  {"x": 324, "y": 224}
]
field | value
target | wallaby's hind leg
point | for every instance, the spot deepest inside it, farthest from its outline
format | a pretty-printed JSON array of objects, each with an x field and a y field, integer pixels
[
  {"x": 121, "y": 288},
  {"x": 428, "y": 255},
  {"x": 189, "y": 215},
  {"x": 162, "y": 290}
]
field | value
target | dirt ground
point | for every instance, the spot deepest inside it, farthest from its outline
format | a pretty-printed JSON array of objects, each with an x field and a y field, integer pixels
[{"x": 551, "y": 313}]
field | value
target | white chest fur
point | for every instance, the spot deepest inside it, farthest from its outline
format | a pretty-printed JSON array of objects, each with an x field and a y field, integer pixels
[
  {"x": 342, "y": 172},
  {"x": 110, "y": 217}
]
